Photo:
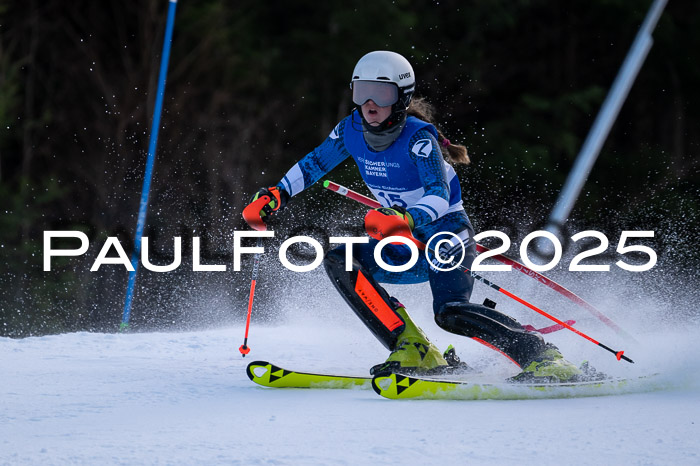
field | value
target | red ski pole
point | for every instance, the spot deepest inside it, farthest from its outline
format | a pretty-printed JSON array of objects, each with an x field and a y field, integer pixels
[
  {"x": 251, "y": 214},
  {"x": 245, "y": 349},
  {"x": 369, "y": 202}
]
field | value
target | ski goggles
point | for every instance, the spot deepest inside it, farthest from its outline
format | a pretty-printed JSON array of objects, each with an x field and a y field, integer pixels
[{"x": 383, "y": 94}]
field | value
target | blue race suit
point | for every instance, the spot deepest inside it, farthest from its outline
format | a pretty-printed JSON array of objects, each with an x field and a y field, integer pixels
[{"x": 411, "y": 173}]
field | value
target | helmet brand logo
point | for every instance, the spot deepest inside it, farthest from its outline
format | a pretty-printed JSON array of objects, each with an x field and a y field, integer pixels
[{"x": 405, "y": 75}]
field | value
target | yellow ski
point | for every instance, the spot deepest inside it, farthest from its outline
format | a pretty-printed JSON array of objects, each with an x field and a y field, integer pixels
[
  {"x": 268, "y": 375},
  {"x": 398, "y": 387}
]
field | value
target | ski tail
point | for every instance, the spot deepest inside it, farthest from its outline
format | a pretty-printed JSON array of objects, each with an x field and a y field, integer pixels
[{"x": 269, "y": 375}]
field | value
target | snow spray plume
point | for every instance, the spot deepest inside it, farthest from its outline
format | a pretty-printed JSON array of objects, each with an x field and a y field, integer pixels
[{"x": 358, "y": 197}]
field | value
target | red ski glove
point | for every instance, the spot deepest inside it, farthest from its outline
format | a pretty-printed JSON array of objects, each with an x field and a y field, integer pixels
[
  {"x": 262, "y": 205},
  {"x": 388, "y": 221}
]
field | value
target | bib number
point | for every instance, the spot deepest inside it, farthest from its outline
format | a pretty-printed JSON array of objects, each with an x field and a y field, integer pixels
[{"x": 392, "y": 199}]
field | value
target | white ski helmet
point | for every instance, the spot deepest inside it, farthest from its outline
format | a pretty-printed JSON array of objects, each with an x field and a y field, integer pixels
[{"x": 386, "y": 78}]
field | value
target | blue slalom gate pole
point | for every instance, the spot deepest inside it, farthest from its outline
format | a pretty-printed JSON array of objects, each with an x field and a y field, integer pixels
[{"x": 155, "y": 126}]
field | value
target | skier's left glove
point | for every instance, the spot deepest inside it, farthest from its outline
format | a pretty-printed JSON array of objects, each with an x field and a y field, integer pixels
[
  {"x": 263, "y": 204},
  {"x": 388, "y": 221}
]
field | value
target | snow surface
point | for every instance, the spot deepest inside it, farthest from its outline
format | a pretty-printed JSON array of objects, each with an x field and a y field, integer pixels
[{"x": 184, "y": 398}]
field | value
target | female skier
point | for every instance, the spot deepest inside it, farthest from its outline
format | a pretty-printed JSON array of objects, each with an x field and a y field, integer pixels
[{"x": 399, "y": 154}]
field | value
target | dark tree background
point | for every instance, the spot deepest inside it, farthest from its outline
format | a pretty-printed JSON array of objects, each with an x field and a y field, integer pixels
[{"x": 253, "y": 86}]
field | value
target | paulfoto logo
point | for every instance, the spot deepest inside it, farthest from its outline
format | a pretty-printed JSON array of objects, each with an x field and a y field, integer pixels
[{"x": 451, "y": 249}]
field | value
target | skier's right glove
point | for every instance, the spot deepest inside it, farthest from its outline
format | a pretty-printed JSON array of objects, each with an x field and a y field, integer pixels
[
  {"x": 383, "y": 222},
  {"x": 263, "y": 204},
  {"x": 400, "y": 212}
]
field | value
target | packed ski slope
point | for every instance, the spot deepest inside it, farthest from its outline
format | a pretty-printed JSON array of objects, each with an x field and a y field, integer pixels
[{"x": 184, "y": 398}]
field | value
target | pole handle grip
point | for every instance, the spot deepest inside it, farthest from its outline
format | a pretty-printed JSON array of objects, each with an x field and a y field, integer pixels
[{"x": 251, "y": 213}]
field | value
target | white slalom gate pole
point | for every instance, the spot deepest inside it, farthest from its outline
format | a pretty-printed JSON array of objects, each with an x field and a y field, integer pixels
[{"x": 601, "y": 127}]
